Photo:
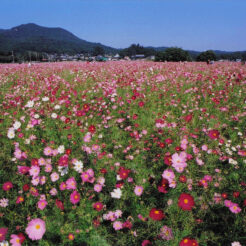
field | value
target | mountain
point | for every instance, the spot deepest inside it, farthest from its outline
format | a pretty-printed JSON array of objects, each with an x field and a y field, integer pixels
[{"x": 32, "y": 37}]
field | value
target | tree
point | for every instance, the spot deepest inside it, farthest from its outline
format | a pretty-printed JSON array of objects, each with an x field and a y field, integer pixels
[
  {"x": 136, "y": 49},
  {"x": 173, "y": 54},
  {"x": 98, "y": 50},
  {"x": 206, "y": 56}
]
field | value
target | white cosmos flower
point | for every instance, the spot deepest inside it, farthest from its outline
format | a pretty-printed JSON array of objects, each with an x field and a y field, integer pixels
[
  {"x": 235, "y": 244},
  {"x": 30, "y": 104},
  {"x": 36, "y": 116},
  {"x": 57, "y": 107},
  {"x": 62, "y": 170},
  {"x": 4, "y": 243},
  {"x": 45, "y": 99},
  {"x": 54, "y": 115},
  {"x": 78, "y": 166},
  {"x": 61, "y": 149},
  {"x": 17, "y": 125},
  {"x": 117, "y": 193},
  {"x": 11, "y": 133}
]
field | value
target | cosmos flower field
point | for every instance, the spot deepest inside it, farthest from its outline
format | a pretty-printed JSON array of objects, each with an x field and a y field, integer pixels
[{"x": 123, "y": 153}]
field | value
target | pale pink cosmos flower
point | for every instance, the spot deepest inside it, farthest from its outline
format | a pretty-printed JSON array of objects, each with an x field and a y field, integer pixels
[
  {"x": 71, "y": 183},
  {"x": 41, "y": 161},
  {"x": 34, "y": 171},
  {"x": 35, "y": 181},
  {"x": 179, "y": 160},
  {"x": 87, "y": 138},
  {"x": 138, "y": 190},
  {"x": 54, "y": 176},
  {"x": 168, "y": 174},
  {"x": 53, "y": 191},
  {"x": 204, "y": 147},
  {"x": 15, "y": 240},
  {"x": 118, "y": 213},
  {"x": 48, "y": 151},
  {"x": 98, "y": 187},
  {"x": 35, "y": 229},
  {"x": 117, "y": 225},
  {"x": 48, "y": 168},
  {"x": 42, "y": 180}
]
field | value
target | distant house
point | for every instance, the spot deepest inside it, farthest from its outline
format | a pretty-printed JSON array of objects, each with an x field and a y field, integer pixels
[
  {"x": 116, "y": 57},
  {"x": 138, "y": 57}
]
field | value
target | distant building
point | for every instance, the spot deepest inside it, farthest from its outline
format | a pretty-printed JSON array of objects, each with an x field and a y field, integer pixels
[{"x": 138, "y": 57}]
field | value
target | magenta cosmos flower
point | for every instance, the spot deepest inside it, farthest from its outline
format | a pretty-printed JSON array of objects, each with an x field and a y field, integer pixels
[
  {"x": 35, "y": 229},
  {"x": 75, "y": 197}
]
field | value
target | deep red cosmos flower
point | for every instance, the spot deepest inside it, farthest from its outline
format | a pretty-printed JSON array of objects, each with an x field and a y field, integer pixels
[
  {"x": 7, "y": 186},
  {"x": 188, "y": 242},
  {"x": 168, "y": 160},
  {"x": 156, "y": 214},
  {"x": 188, "y": 118},
  {"x": 98, "y": 206},
  {"x": 34, "y": 162},
  {"x": 63, "y": 161},
  {"x": 59, "y": 204},
  {"x": 163, "y": 186},
  {"x": 124, "y": 173},
  {"x": 141, "y": 104},
  {"x": 213, "y": 134},
  {"x": 92, "y": 129},
  {"x": 186, "y": 201}
]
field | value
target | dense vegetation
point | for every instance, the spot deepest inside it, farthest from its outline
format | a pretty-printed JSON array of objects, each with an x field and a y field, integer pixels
[{"x": 123, "y": 153}]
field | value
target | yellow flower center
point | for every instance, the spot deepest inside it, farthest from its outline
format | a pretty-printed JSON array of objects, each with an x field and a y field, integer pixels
[
  {"x": 185, "y": 201},
  {"x": 37, "y": 226},
  {"x": 186, "y": 241},
  {"x": 156, "y": 212},
  {"x": 18, "y": 240}
]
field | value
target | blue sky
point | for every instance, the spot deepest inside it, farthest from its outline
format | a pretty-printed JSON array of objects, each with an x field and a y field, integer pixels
[{"x": 189, "y": 24}]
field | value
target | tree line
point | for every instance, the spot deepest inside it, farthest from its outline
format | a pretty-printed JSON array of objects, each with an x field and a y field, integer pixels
[{"x": 174, "y": 54}]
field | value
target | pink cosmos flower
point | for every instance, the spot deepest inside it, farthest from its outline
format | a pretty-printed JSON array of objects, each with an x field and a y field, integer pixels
[
  {"x": 75, "y": 197},
  {"x": 35, "y": 229},
  {"x": 228, "y": 203},
  {"x": 235, "y": 208},
  {"x": 42, "y": 204},
  {"x": 85, "y": 176},
  {"x": 138, "y": 190},
  {"x": 117, "y": 225},
  {"x": 71, "y": 183},
  {"x": 63, "y": 186},
  {"x": 15, "y": 240}
]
